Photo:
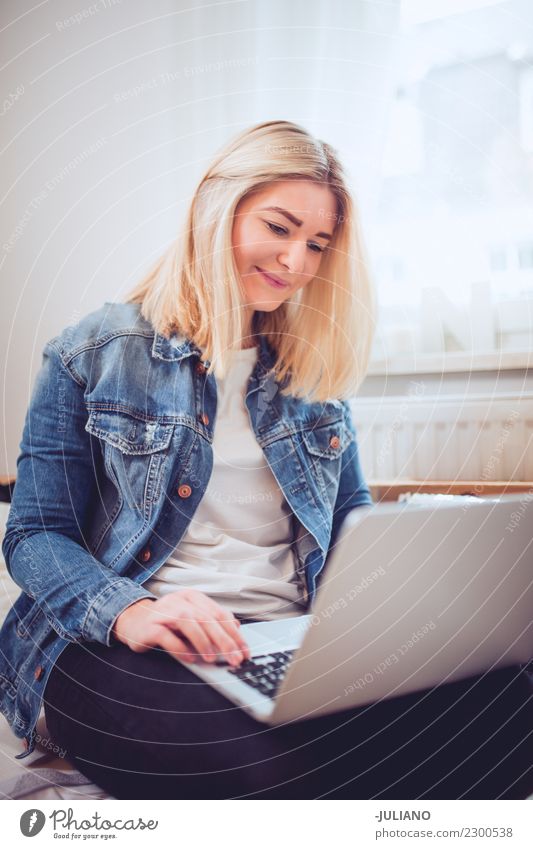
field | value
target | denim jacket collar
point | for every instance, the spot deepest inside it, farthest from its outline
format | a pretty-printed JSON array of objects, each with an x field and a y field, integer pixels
[{"x": 178, "y": 347}]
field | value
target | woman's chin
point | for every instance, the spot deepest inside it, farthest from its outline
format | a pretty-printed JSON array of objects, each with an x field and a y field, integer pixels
[
  {"x": 267, "y": 306},
  {"x": 264, "y": 304}
]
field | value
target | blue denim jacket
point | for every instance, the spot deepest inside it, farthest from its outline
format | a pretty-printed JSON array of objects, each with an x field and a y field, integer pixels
[{"x": 116, "y": 455}]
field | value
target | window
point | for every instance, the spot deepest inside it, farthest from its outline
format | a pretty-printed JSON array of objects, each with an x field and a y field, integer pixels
[{"x": 452, "y": 246}]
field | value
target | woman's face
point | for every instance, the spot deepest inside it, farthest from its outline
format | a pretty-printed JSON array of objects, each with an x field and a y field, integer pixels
[{"x": 278, "y": 238}]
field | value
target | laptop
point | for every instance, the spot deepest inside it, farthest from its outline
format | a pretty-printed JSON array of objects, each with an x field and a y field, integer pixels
[{"x": 412, "y": 596}]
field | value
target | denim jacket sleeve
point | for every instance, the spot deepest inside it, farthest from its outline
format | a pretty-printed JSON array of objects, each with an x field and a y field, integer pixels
[
  {"x": 44, "y": 545},
  {"x": 353, "y": 490}
]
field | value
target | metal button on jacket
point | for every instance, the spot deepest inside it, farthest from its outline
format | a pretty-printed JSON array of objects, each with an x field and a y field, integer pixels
[
  {"x": 145, "y": 555},
  {"x": 184, "y": 490},
  {"x": 334, "y": 442},
  {"x": 204, "y": 418}
]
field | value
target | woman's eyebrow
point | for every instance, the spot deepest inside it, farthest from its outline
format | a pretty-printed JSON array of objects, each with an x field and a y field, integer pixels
[{"x": 292, "y": 218}]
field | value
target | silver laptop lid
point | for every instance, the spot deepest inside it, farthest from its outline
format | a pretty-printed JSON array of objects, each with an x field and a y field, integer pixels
[{"x": 417, "y": 595}]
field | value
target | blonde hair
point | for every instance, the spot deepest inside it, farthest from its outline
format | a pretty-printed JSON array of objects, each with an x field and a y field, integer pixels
[{"x": 322, "y": 336}]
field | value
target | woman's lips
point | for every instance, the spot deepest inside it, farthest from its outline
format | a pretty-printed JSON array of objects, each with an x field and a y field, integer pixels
[{"x": 272, "y": 281}]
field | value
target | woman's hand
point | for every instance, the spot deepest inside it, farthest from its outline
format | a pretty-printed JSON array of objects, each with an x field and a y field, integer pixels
[{"x": 187, "y": 623}]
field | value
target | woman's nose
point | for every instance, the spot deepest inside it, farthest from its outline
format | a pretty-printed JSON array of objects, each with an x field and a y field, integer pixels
[{"x": 293, "y": 256}]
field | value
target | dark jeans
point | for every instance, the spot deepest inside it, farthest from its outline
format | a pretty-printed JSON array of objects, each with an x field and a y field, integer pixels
[{"x": 143, "y": 727}]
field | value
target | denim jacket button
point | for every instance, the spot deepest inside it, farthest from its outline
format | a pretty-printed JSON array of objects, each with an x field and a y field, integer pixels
[
  {"x": 204, "y": 418},
  {"x": 334, "y": 442},
  {"x": 38, "y": 674},
  {"x": 145, "y": 555},
  {"x": 200, "y": 368},
  {"x": 184, "y": 490}
]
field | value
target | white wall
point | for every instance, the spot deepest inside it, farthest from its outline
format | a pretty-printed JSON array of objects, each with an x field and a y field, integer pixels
[{"x": 109, "y": 119}]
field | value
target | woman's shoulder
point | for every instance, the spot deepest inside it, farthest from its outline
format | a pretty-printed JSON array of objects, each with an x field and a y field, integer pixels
[{"x": 94, "y": 330}]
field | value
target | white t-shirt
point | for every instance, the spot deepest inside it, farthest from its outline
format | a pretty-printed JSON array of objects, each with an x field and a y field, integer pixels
[{"x": 238, "y": 546}]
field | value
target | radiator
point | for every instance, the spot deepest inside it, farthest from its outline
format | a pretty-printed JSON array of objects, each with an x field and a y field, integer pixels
[{"x": 444, "y": 437}]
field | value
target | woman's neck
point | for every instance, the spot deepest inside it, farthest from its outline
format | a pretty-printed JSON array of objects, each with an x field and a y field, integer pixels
[{"x": 250, "y": 338}]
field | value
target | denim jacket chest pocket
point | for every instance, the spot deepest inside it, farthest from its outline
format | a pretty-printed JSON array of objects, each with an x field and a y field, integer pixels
[
  {"x": 134, "y": 450},
  {"x": 323, "y": 446},
  {"x": 306, "y": 458}
]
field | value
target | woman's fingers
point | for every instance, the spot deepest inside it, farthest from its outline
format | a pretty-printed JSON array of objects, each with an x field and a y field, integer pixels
[
  {"x": 208, "y": 636},
  {"x": 175, "y": 646},
  {"x": 216, "y": 614},
  {"x": 227, "y": 639},
  {"x": 206, "y": 643},
  {"x": 197, "y": 636},
  {"x": 210, "y": 629},
  {"x": 161, "y": 635},
  {"x": 188, "y": 624},
  {"x": 232, "y": 625}
]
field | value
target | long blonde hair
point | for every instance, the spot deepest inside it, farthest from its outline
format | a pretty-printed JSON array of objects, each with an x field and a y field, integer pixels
[{"x": 322, "y": 336}]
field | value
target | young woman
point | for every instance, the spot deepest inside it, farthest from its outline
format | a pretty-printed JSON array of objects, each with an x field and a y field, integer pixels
[{"x": 187, "y": 461}]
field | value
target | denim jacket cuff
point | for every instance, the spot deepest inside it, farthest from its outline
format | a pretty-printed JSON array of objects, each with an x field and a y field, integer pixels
[{"x": 107, "y": 606}]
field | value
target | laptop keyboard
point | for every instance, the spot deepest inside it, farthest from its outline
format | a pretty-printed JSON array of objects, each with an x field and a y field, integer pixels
[{"x": 264, "y": 672}]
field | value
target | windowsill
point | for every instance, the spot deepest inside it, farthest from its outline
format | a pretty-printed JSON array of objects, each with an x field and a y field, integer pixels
[
  {"x": 454, "y": 361},
  {"x": 382, "y": 490}
]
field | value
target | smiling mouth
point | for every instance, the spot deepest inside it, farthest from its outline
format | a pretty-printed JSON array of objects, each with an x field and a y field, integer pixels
[{"x": 273, "y": 281}]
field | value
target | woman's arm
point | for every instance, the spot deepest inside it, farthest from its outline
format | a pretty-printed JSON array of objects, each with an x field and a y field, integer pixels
[{"x": 53, "y": 496}]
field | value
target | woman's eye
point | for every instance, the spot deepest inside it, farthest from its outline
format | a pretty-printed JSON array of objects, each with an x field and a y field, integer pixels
[
  {"x": 277, "y": 229},
  {"x": 282, "y": 231}
]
